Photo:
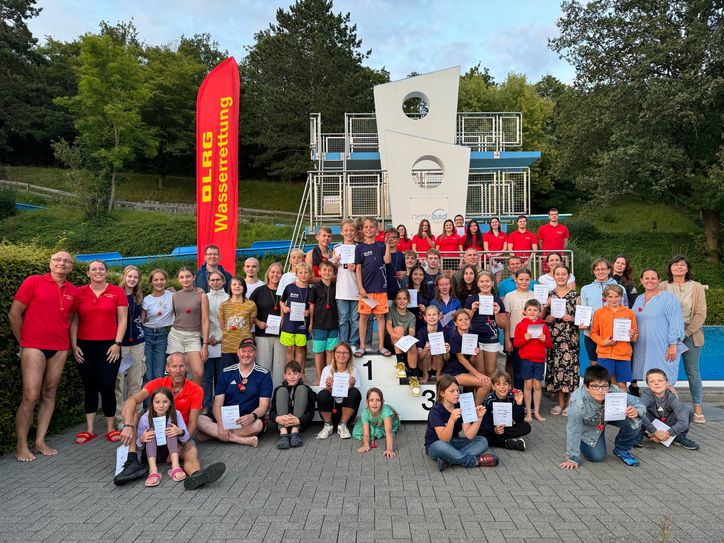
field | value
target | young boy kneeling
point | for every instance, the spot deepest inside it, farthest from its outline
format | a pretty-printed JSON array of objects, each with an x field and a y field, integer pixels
[
  {"x": 585, "y": 431},
  {"x": 510, "y": 437},
  {"x": 664, "y": 405}
]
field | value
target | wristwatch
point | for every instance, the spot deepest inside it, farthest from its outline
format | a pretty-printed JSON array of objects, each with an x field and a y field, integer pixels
[
  {"x": 256, "y": 417},
  {"x": 118, "y": 343}
]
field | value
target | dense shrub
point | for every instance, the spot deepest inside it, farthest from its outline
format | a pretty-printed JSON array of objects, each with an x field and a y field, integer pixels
[
  {"x": 16, "y": 263},
  {"x": 583, "y": 230},
  {"x": 715, "y": 306},
  {"x": 7, "y": 203}
]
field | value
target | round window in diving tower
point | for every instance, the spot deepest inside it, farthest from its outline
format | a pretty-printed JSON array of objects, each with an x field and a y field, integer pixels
[
  {"x": 415, "y": 105},
  {"x": 428, "y": 172}
]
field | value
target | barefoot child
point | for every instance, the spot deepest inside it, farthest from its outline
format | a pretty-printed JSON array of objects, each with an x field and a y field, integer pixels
[
  {"x": 425, "y": 360},
  {"x": 460, "y": 365},
  {"x": 323, "y": 319},
  {"x": 510, "y": 437},
  {"x": 662, "y": 404},
  {"x": 377, "y": 421},
  {"x": 532, "y": 351},
  {"x": 161, "y": 405},
  {"x": 399, "y": 323},
  {"x": 294, "y": 332},
  {"x": 486, "y": 326},
  {"x": 292, "y": 407},
  {"x": 444, "y": 424}
]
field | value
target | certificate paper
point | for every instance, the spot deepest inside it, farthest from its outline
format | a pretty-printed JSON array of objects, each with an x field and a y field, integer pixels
[
  {"x": 126, "y": 362},
  {"x": 470, "y": 342},
  {"x": 413, "y": 297},
  {"x": 663, "y": 426},
  {"x": 540, "y": 293},
  {"x": 215, "y": 350},
  {"x": 159, "y": 427},
  {"x": 346, "y": 253},
  {"x": 297, "y": 311},
  {"x": 558, "y": 308},
  {"x": 621, "y": 328},
  {"x": 502, "y": 414},
  {"x": 583, "y": 315},
  {"x": 447, "y": 319},
  {"x": 273, "y": 324},
  {"x": 229, "y": 414},
  {"x": 460, "y": 231},
  {"x": 535, "y": 330},
  {"x": 122, "y": 456},
  {"x": 615, "y": 406},
  {"x": 437, "y": 343},
  {"x": 486, "y": 306},
  {"x": 405, "y": 342},
  {"x": 340, "y": 385},
  {"x": 467, "y": 407},
  {"x": 370, "y": 302}
]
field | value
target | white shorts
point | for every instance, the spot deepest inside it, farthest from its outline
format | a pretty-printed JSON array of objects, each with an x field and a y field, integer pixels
[
  {"x": 489, "y": 347},
  {"x": 183, "y": 342}
]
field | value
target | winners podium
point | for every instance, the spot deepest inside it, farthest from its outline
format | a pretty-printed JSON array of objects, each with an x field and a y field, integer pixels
[{"x": 379, "y": 371}]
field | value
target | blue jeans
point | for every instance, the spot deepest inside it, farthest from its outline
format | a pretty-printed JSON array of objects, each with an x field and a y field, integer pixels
[
  {"x": 691, "y": 367},
  {"x": 155, "y": 352},
  {"x": 625, "y": 440},
  {"x": 348, "y": 321},
  {"x": 518, "y": 381},
  {"x": 212, "y": 371},
  {"x": 459, "y": 451}
]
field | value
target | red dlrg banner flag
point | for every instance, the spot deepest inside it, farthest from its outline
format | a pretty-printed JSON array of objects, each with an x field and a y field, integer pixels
[{"x": 217, "y": 168}]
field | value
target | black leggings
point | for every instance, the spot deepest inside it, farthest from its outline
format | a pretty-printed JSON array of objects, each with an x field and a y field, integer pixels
[
  {"x": 498, "y": 440},
  {"x": 325, "y": 403},
  {"x": 98, "y": 375}
]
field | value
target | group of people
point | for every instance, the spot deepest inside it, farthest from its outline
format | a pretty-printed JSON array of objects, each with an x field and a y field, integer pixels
[{"x": 244, "y": 342}]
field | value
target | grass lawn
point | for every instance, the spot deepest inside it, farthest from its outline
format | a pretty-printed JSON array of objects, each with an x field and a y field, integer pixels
[{"x": 136, "y": 187}]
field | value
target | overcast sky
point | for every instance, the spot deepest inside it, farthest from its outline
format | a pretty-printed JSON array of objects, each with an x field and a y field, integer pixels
[{"x": 404, "y": 35}]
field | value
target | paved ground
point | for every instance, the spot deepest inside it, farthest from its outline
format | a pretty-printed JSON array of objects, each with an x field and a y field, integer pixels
[{"x": 326, "y": 492}]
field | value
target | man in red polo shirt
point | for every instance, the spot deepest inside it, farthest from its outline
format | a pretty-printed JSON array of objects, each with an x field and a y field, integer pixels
[
  {"x": 40, "y": 317},
  {"x": 188, "y": 399},
  {"x": 554, "y": 235},
  {"x": 522, "y": 240}
]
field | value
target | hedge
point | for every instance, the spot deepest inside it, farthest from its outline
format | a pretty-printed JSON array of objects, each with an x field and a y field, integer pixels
[{"x": 16, "y": 263}]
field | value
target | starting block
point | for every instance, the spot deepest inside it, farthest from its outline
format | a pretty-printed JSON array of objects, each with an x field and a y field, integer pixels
[{"x": 379, "y": 371}]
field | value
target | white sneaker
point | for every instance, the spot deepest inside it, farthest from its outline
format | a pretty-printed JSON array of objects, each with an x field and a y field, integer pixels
[
  {"x": 325, "y": 432},
  {"x": 343, "y": 431}
]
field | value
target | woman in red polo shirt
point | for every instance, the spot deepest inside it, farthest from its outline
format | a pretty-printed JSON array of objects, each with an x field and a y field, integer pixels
[
  {"x": 449, "y": 243},
  {"x": 96, "y": 334},
  {"x": 423, "y": 241},
  {"x": 405, "y": 243},
  {"x": 494, "y": 242}
]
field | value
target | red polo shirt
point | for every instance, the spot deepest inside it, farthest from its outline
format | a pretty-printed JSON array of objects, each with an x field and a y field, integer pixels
[
  {"x": 450, "y": 244},
  {"x": 553, "y": 238},
  {"x": 46, "y": 321},
  {"x": 97, "y": 316},
  {"x": 191, "y": 396},
  {"x": 495, "y": 243},
  {"x": 522, "y": 241}
]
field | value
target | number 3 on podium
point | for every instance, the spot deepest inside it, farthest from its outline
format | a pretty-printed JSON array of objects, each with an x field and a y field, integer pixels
[{"x": 430, "y": 399}]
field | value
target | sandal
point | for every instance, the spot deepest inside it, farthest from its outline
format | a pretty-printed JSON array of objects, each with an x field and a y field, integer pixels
[
  {"x": 153, "y": 479},
  {"x": 114, "y": 436},
  {"x": 384, "y": 352},
  {"x": 565, "y": 412},
  {"x": 699, "y": 418},
  {"x": 556, "y": 410},
  {"x": 82, "y": 438},
  {"x": 177, "y": 474},
  {"x": 358, "y": 353}
]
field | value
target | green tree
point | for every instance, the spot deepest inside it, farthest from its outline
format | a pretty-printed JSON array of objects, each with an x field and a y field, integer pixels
[
  {"x": 309, "y": 60},
  {"x": 649, "y": 108},
  {"x": 107, "y": 107}
]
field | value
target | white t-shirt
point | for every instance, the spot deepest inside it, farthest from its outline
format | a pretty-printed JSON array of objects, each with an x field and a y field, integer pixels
[
  {"x": 550, "y": 283},
  {"x": 514, "y": 303},
  {"x": 327, "y": 372},
  {"x": 346, "y": 281},
  {"x": 252, "y": 288},
  {"x": 159, "y": 310}
]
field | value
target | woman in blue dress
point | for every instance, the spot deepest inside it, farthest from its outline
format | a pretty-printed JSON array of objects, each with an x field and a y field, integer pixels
[{"x": 661, "y": 329}]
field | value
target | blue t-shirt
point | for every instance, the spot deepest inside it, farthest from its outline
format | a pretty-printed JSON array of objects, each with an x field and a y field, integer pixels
[
  {"x": 508, "y": 285},
  {"x": 293, "y": 293},
  {"x": 134, "y": 327},
  {"x": 258, "y": 385},
  {"x": 430, "y": 280},
  {"x": 453, "y": 366},
  {"x": 374, "y": 272},
  {"x": 397, "y": 264},
  {"x": 438, "y": 416},
  {"x": 484, "y": 325},
  {"x": 450, "y": 307}
]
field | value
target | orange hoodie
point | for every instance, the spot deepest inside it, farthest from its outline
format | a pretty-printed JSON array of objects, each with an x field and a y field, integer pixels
[{"x": 602, "y": 330}]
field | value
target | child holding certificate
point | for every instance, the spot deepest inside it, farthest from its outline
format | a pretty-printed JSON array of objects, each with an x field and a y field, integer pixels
[
  {"x": 399, "y": 322},
  {"x": 506, "y": 433},
  {"x": 613, "y": 329},
  {"x": 463, "y": 347},
  {"x": 486, "y": 320},
  {"x": 338, "y": 404},
  {"x": 377, "y": 421},
  {"x": 324, "y": 321},
  {"x": 444, "y": 424},
  {"x": 532, "y": 338},
  {"x": 416, "y": 281},
  {"x": 432, "y": 352},
  {"x": 295, "y": 310},
  {"x": 346, "y": 289},
  {"x": 161, "y": 405},
  {"x": 667, "y": 417}
]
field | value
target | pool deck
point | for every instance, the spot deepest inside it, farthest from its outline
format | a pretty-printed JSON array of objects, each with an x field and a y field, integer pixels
[{"x": 325, "y": 491}]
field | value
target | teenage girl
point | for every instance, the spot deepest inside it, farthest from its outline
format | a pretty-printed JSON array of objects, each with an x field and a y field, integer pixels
[
  {"x": 400, "y": 322},
  {"x": 486, "y": 326},
  {"x": 423, "y": 241},
  {"x": 416, "y": 281},
  {"x": 236, "y": 317},
  {"x": 444, "y": 300},
  {"x": 157, "y": 316},
  {"x": 460, "y": 365}
]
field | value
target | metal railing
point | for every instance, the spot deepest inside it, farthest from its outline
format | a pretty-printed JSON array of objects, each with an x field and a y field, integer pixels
[{"x": 481, "y": 131}]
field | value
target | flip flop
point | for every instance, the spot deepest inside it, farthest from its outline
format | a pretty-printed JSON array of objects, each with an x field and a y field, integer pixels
[
  {"x": 699, "y": 418},
  {"x": 82, "y": 438},
  {"x": 153, "y": 479},
  {"x": 384, "y": 352},
  {"x": 114, "y": 436},
  {"x": 177, "y": 474},
  {"x": 556, "y": 410},
  {"x": 358, "y": 353}
]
